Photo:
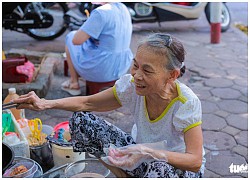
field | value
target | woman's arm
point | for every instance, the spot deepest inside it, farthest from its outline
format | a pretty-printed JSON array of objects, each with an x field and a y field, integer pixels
[
  {"x": 133, "y": 155},
  {"x": 191, "y": 160},
  {"x": 103, "y": 101},
  {"x": 80, "y": 37}
]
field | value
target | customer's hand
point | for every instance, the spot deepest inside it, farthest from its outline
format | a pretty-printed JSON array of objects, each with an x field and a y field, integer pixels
[{"x": 30, "y": 101}]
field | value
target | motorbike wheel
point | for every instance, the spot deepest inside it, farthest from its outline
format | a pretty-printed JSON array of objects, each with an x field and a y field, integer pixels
[
  {"x": 59, "y": 26},
  {"x": 225, "y": 16},
  {"x": 141, "y": 12}
]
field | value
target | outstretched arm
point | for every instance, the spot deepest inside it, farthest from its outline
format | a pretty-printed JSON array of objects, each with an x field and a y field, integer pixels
[{"x": 102, "y": 101}]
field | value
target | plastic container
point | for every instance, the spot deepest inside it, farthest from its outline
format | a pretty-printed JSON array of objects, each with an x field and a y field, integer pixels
[
  {"x": 21, "y": 148},
  {"x": 63, "y": 155},
  {"x": 37, "y": 172},
  {"x": 34, "y": 170},
  {"x": 88, "y": 168},
  {"x": 17, "y": 113},
  {"x": 47, "y": 129},
  {"x": 29, "y": 164},
  {"x": 64, "y": 125}
]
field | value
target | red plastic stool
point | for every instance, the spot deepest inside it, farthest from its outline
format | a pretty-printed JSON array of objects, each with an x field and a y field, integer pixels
[
  {"x": 66, "y": 67},
  {"x": 9, "y": 72},
  {"x": 95, "y": 87}
]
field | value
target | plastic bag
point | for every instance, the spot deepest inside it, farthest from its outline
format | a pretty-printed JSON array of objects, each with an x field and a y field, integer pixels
[
  {"x": 11, "y": 138},
  {"x": 23, "y": 122},
  {"x": 28, "y": 69},
  {"x": 7, "y": 123}
]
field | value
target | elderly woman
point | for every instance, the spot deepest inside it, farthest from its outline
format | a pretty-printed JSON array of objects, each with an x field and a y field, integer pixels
[{"x": 167, "y": 136}]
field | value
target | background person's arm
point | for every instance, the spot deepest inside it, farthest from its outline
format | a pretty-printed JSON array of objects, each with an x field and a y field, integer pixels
[
  {"x": 103, "y": 101},
  {"x": 80, "y": 37}
]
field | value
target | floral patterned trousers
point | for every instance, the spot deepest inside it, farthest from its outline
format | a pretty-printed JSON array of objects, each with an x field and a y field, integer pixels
[{"x": 90, "y": 133}]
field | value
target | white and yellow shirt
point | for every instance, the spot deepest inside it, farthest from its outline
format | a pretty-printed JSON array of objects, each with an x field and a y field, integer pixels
[{"x": 183, "y": 113}]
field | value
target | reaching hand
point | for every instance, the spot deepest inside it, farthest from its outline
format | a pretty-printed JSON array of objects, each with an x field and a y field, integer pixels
[{"x": 30, "y": 101}]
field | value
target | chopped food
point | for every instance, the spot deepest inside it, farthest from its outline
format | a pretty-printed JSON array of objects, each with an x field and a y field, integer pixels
[
  {"x": 35, "y": 142},
  {"x": 18, "y": 170}
]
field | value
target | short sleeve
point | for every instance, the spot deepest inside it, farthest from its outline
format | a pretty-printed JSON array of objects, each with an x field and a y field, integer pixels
[
  {"x": 188, "y": 115},
  {"x": 94, "y": 24},
  {"x": 124, "y": 90}
]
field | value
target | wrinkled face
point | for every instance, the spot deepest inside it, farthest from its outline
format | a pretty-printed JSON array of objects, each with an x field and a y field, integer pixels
[{"x": 149, "y": 72}]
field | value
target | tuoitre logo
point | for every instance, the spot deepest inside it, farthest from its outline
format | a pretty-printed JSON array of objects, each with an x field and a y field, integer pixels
[{"x": 243, "y": 168}]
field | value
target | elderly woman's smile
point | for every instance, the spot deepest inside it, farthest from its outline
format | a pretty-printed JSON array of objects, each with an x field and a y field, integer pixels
[{"x": 140, "y": 86}]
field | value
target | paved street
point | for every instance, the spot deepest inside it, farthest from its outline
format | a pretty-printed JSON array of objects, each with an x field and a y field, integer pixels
[{"x": 217, "y": 73}]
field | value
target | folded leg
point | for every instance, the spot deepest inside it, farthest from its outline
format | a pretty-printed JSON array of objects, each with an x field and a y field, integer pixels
[{"x": 90, "y": 133}]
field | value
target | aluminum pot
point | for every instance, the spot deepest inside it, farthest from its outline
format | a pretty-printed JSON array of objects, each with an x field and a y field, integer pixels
[{"x": 43, "y": 155}]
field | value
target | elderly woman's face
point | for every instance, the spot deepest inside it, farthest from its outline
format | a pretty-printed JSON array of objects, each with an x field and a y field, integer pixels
[{"x": 149, "y": 72}]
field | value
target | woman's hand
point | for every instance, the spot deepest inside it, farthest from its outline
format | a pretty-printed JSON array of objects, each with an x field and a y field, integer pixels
[
  {"x": 130, "y": 157},
  {"x": 30, "y": 101}
]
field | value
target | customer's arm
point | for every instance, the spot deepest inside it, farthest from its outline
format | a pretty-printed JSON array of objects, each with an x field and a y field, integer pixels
[
  {"x": 80, "y": 37},
  {"x": 103, "y": 101}
]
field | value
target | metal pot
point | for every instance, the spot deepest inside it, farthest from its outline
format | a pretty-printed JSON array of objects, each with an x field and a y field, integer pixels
[
  {"x": 7, "y": 156},
  {"x": 43, "y": 155}
]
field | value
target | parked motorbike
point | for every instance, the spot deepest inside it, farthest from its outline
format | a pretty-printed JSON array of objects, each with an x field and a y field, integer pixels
[
  {"x": 49, "y": 20},
  {"x": 40, "y": 20},
  {"x": 45, "y": 20},
  {"x": 164, "y": 11}
]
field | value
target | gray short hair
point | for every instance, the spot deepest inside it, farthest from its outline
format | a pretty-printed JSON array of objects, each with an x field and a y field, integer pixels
[{"x": 166, "y": 46}]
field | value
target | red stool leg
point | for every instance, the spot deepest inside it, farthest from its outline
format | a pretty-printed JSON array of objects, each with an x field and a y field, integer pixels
[
  {"x": 95, "y": 87},
  {"x": 66, "y": 67}
]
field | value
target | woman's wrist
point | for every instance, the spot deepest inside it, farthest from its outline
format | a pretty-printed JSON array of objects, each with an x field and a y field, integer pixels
[
  {"x": 157, "y": 154},
  {"x": 150, "y": 152},
  {"x": 47, "y": 104}
]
